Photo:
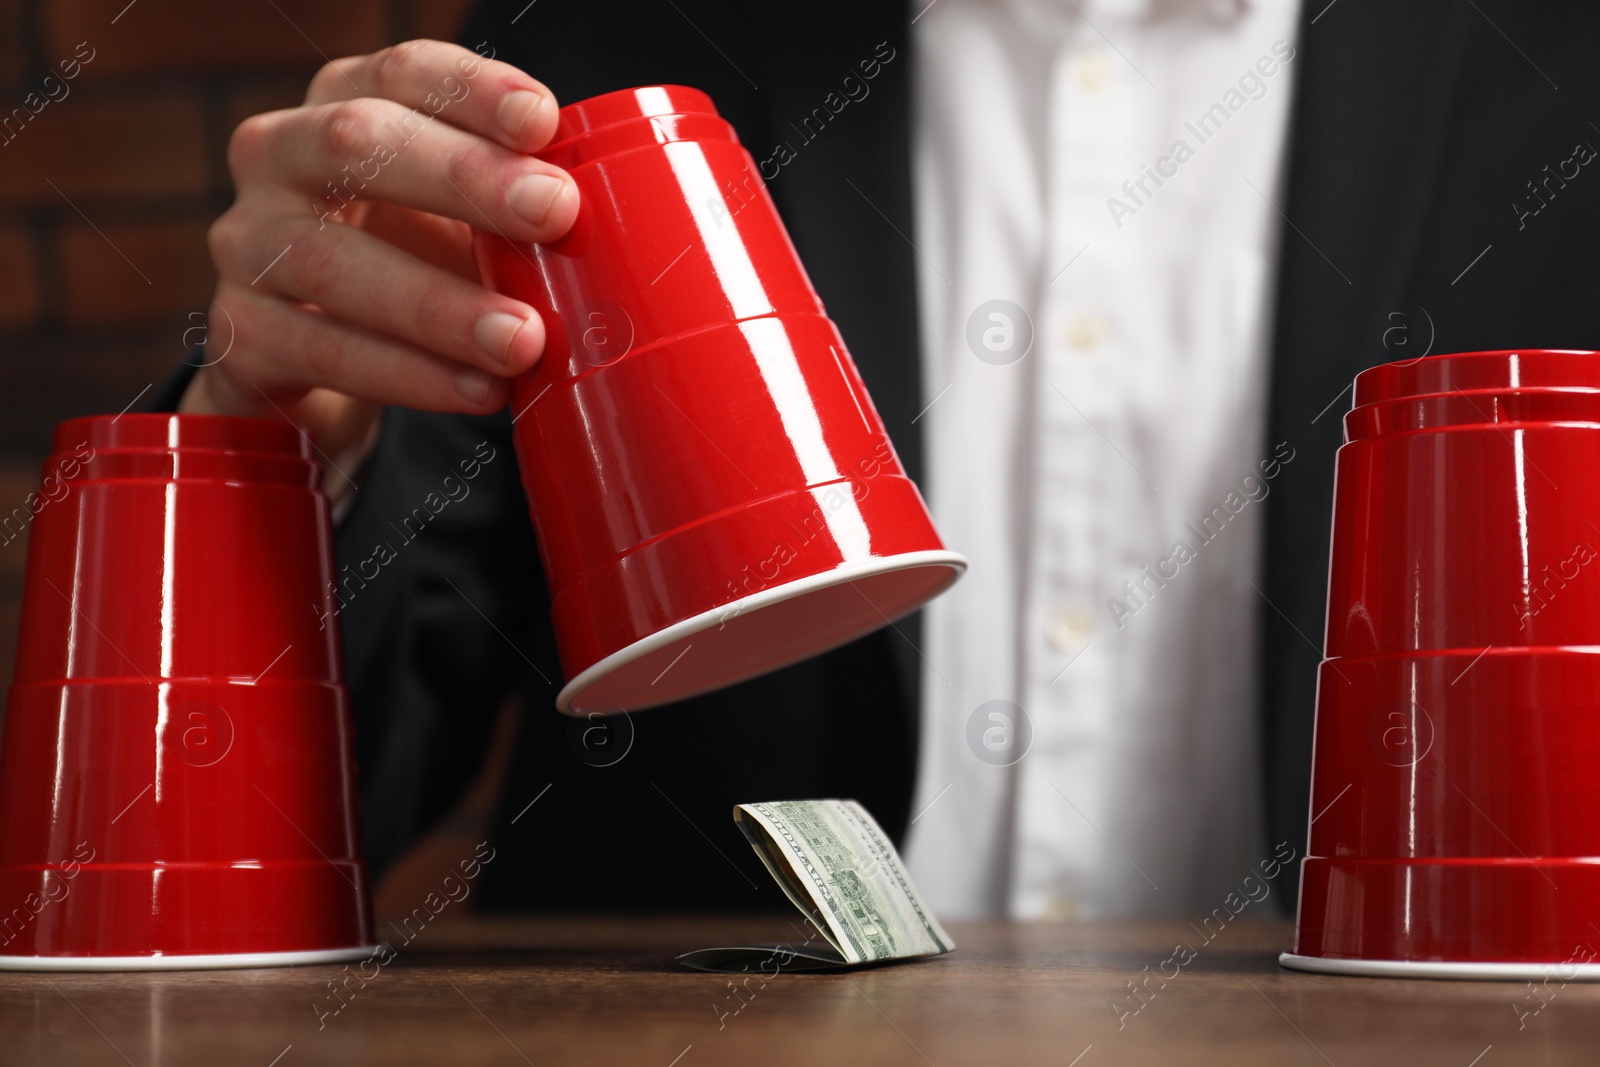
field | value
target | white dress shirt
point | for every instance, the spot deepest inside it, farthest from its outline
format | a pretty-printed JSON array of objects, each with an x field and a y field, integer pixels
[{"x": 1106, "y": 170}]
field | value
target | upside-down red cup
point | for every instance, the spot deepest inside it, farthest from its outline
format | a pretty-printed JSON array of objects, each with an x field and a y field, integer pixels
[
  {"x": 714, "y": 494},
  {"x": 1455, "y": 813},
  {"x": 177, "y": 772}
]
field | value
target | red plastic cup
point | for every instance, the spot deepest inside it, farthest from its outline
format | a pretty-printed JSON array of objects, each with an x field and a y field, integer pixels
[
  {"x": 714, "y": 494},
  {"x": 177, "y": 772},
  {"x": 1455, "y": 811}
]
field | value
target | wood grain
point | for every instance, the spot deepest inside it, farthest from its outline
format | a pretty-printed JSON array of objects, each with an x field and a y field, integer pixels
[{"x": 552, "y": 991}]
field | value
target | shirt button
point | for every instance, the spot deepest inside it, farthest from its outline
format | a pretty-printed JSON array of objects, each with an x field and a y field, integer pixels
[
  {"x": 1061, "y": 908},
  {"x": 1092, "y": 70},
  {"x": 1086, "y": 332},
  {"x": 1069, "y": 629}
]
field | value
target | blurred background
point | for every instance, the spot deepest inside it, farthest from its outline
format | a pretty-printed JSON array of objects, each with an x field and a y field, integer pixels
[{"x": 109, "y": 180}]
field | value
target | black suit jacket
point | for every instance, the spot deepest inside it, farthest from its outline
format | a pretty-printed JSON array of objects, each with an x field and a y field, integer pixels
[{"x": 1416, "y": 128}]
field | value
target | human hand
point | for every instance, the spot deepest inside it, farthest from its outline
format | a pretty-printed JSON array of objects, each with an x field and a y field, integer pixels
[{"x": 345, "y": 264}]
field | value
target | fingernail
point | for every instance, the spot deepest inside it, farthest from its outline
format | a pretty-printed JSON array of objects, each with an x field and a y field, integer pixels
[
  {"x": 495, "y": 332},
  {"x": 534, "y": 195},
  {"x": 473, "y": 386},
  {"x": 516, "y": 108}
]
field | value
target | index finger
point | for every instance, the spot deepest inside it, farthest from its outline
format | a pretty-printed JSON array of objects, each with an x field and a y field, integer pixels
[{"x": 478, "y": 95}]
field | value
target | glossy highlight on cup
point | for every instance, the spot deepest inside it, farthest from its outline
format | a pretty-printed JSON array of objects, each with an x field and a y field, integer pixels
[
  {"x": 714, "y": 494},
  {"x": 177, "y": 770},
  {"x": 1455, "y": 812}
]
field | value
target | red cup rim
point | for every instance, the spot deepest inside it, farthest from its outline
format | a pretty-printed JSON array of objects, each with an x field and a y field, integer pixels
[{"x": 930, "y": 571}]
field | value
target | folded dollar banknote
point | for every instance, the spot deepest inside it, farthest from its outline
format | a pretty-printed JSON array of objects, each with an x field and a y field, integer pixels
[{"x": 837, "y": 866}]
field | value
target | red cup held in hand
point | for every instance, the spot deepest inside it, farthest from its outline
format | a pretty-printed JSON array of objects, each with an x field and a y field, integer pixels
[{"x": 714, "y": 495}]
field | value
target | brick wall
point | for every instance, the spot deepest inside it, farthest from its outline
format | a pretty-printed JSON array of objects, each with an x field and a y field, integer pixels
[{"x": 109, "y": 180}]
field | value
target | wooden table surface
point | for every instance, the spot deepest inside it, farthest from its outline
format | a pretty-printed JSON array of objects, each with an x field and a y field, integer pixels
[{"x": 606, "y": 991}]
